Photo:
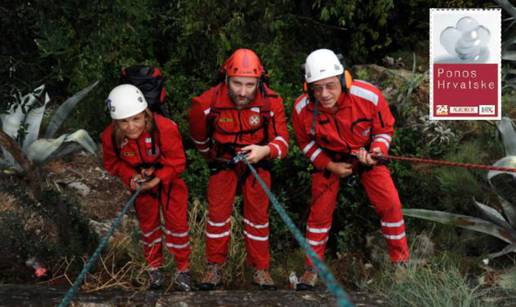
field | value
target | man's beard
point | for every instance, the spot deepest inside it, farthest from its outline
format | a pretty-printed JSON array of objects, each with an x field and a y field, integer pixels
[{"x": 241, "y": 101}]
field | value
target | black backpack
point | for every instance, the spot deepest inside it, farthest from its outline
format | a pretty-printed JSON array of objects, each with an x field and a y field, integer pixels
[{"x": 150, "y": 81}]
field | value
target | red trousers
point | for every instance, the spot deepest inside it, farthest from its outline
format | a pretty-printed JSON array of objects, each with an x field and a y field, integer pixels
[
  {"x": 382, "y": 194},
  {"x": 174, "y": 204},
  {"x": 222, "y": 187}
]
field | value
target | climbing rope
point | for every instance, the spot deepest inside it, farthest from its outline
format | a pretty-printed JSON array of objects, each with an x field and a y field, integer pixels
[
  {"x": 326, "y": 276},
  {"x": 448, "y": 163},
  {"x": 89, "y": 264}
]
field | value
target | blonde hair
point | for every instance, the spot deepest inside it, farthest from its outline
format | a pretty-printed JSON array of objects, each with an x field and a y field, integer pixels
[{"x": 119, "y": 134}]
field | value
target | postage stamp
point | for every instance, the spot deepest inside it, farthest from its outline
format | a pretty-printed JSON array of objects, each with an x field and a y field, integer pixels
[{"x": 465, "y": 64}]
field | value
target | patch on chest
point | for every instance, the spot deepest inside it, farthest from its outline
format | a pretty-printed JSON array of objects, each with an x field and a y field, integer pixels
[
  {"x": 128, "y": 154},
  {"x": 225, "y": 120},
  {"x": 254, "y": 120}
]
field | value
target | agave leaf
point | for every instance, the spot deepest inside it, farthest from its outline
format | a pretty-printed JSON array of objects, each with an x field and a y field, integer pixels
[
  {"x": 33, "y": 122},
  {"x": 492, "y": 215},
  {"x": 43, "y": 149},
  {"x": 508, "y": 135},
  {"x": 509, "y": 56},
  {"x": 504, "y": 183},
  {"x": 464, "y": 221},
  {"x": 511, "y": 248},
  {"x": 14, "y": 118},
  {"x": 64, "y": 110},
  {"x": 65, "y": 149},
  {"x": 509, "y": 211}
]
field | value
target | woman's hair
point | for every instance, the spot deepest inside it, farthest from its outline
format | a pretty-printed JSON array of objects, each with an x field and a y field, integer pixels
[{"x": 119, "y": 134}]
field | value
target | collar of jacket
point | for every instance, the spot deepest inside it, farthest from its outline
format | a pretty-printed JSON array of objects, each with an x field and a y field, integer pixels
[{"x": 223, "y": 100}]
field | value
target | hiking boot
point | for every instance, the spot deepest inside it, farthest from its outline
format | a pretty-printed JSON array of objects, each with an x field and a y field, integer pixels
[
  {"x": 401, "y": 271},
  {"x": 156, "y": 280},
  {"x": 263, "y": 279},
  {"x": 183, "y": 281},
  {"x": 308, "y": 280},
  {"x": 212, "y": 277}
]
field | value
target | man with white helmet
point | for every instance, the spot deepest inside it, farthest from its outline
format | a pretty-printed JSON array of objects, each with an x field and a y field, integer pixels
[
  {"x": 145, "y": 149},
  {"x": 338, "y": 122}
]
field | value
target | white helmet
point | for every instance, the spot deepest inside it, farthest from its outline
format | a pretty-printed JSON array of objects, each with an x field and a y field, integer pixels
[
  {"x": 321, "y": 64},
  {"x": 125, "y": 101}
]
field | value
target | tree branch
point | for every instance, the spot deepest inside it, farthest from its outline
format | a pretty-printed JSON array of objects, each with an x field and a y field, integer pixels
[{"x": 31, "y": 172}]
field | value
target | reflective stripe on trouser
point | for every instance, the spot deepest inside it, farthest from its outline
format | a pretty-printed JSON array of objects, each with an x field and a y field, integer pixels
[
  {"x": 324, "y": 194},
  {"x": 383, "y": 195},
  {"x": 222, "y": 188},
  {"x": 174, "y": 200}
]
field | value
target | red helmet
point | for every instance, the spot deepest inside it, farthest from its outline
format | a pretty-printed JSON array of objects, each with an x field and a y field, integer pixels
[{"x": 243, "y": 63}]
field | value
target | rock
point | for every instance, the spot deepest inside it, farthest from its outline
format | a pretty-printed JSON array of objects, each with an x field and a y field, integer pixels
[{"x": 83, "y": 189}]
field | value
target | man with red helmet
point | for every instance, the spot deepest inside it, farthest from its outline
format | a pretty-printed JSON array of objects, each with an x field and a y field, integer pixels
[
  {"x": 240, "y": 114},
  {"x": 339, "y": 121}
]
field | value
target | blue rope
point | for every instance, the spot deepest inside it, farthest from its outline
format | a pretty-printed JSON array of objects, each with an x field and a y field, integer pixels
[
  {"x": 78, "y": 281},
  {"x": 326, "y": 276}
]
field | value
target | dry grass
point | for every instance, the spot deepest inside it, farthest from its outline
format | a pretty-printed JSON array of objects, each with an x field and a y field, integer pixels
[{"x": 123, "y": 266}]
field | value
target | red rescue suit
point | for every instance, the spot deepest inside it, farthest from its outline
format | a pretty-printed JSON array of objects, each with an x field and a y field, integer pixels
[
  {"x": 162, "y": 149},
  {"x": 219, "y": 131},
  {"x": 361, "y": 119}
]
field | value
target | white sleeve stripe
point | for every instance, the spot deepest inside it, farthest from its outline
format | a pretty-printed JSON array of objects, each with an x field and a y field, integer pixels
[
  {"x": 396, "y": 224},
  {"x": 201, "y": 142},
  {"x": 277, "y": 148},
  {"x": 365, "y": 94},
  {"x": 315, "y": 154},
  {"x": 301, "y": 105},
  {"x": 207, "y": 111},
  {"x": 280, "y": 138},
  {"x": 384, "y": 135},
  {"x": 308, "y": 146},
  {"x": 382, "y": 141}
]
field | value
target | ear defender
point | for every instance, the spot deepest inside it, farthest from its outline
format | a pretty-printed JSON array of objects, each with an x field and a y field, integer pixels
[{"x": 346, "y": 80}]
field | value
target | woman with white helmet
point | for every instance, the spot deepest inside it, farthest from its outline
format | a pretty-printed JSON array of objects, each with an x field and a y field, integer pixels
[{"x": 145, "y": 149}]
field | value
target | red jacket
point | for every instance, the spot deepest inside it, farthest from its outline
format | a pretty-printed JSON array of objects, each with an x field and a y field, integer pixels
[
  {"x": 169, "y": 153},
  {"x": 362, "y": 119},
  {"x": 215, "y": 121}
]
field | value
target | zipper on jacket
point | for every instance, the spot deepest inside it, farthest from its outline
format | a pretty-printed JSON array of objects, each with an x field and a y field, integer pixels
[{"x": 139, "y": 152}]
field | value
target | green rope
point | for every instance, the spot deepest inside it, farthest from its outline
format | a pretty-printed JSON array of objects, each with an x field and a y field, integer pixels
[
  {"x": 89, "y": 264},
  {"x": 326, "y": 276}
]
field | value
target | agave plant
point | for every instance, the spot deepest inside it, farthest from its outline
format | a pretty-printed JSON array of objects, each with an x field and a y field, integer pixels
[
  {"x": 23, "y": 121},
  {"x": 509, "y": 44},
  {"x": 498, "y": 224}
]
